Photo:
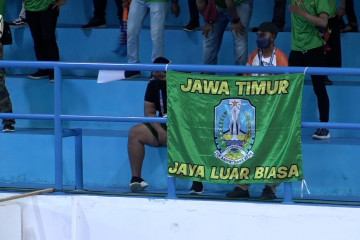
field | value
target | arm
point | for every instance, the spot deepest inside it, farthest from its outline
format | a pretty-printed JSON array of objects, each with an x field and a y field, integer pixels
[
  {"x": 208, "y": 27},
  {"x": 320, "y": 21},
  {"x": 58, "y": 4},
  {"x": 150, "y": 111},
  {"x": 175, "y": 8},
  {"x": 341, "y": 9},
  {"x": 232, "y": 9},
  {"x": 201, "y": 5},
  {"x": 282, "y": 60},
  {"x": 236, "y": 25}
]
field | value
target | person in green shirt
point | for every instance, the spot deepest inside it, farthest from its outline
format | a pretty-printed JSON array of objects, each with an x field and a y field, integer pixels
[
  {"x": 307, "y": 49},
  {"x": 42, "y": 16},
  {"x": 5, "y": 101}
]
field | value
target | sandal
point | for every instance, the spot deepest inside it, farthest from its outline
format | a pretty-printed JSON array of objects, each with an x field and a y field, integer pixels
[{"x": 350, "y": 27}]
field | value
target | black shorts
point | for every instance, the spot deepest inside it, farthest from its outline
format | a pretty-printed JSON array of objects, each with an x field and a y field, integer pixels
[{"x": 153, "y": 131}]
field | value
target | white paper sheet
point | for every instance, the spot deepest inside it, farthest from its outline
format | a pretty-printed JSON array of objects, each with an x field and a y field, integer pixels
[{"x": 105, "y": 76}]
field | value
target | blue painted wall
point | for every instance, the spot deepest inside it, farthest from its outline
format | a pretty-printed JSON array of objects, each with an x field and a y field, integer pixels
[
  {"x": 29, "y": 158},
  {"x": 330, "y": 166}
]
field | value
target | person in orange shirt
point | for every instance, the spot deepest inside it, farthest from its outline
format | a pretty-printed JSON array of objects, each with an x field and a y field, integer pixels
[{"x": 267, "y": 54}]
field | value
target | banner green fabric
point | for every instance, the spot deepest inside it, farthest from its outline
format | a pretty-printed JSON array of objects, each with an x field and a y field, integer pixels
[{"x": 231, "y": 129}]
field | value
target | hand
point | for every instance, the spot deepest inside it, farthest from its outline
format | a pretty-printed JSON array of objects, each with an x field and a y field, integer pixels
[
  {"x": 175, "y": 9},
  {"x": 207, "y": 28},
  {"x": 126, "y": 3},
  {"x": 238, "y": 28},
  {"x": 162, "y": 135},
  {"x": 296, "y": 10},
  {"x": 340, "y": 12},
  {"x": 58, "y": 4}
]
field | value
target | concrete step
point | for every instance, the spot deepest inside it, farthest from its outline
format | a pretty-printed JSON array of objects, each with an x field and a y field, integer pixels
[{"x": 100, "y": 45}]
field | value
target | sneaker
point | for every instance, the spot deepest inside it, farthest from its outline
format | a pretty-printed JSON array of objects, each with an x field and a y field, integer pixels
[
  {"x": 138, "y": 184},
  {"x": 94, "y": 23},
  {"x": 18, "y": 23},
  {"x": 192, "y": 26},
  {"x": 132, "y": 74},
  {"x": 267, "y": 194},
  {"x": 321, "y": 133},
  {"x": 237, "y": 192},
  {"x": 197, "y": 188},
  {"x": 8, "y": 127},
  {"x": 42, "y": 73}
]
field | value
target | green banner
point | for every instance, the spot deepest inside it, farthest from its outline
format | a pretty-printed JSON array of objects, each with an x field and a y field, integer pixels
[{"x": 230, "y": 129}]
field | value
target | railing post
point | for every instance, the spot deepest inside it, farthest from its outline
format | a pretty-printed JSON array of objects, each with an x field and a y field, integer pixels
[
  {"x": 79, "y": 185},
  {"x": 171, "y": 187},
  {"x": 287, "y": 193},
  {"x": 58, "y": 131}
]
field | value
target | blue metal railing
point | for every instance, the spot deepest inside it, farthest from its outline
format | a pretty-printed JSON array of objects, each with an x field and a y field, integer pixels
[{"x": 58, "y": 117}]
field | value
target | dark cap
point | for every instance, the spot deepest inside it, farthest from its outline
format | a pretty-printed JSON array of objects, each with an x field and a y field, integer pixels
[
  {"x": 268, "y": 27},
  {"x": 161, "y": 60}
]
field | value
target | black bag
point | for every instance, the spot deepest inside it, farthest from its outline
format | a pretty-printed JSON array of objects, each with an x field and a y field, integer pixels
[{"x": 6, "y": 38}]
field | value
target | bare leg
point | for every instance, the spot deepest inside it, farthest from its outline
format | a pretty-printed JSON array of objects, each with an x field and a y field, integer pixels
[{"x": 139, "y": 136}]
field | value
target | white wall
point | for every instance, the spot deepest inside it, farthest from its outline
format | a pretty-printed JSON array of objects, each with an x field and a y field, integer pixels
[
  {"x": 84, "y": 217},
  {"x": 10, "y": 221}
]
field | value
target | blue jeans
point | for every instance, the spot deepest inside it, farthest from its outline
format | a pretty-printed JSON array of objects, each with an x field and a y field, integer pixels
[
  {"x": 138, "y": 11},
  {"x": 212, "y": 43}
]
